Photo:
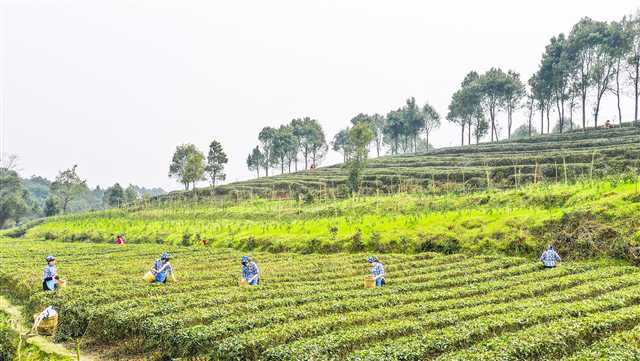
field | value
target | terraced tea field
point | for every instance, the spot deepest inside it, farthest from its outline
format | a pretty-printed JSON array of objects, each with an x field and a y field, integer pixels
[
  {"x": 314, "y": 307},
  {"x": 557, "y": 157}
]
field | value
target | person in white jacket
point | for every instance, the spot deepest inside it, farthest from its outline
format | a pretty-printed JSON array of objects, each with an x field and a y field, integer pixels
[
  {"x": 44, "y": 315},
  {"x": 550, "y": 257}
]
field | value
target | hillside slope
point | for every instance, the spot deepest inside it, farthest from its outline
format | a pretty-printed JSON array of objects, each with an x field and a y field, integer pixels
[
  {"x": 587, "y": 206},
  {"x": 584, "y": 220},
  {"x": 556, "y": 157}
]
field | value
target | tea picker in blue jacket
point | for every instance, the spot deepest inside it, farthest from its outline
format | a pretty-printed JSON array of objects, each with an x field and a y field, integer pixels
[
  {"x": 377, "y": 271},
  {"x": 250, "y": 271},
  {"x": 162, "y": 269},
  {"x": 50, "y": 274}
]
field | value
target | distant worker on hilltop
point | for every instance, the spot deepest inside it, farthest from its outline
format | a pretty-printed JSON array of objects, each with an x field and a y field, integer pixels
[
  {"x": 377, "y": 271},
  {"x": 250, "y": 271},
  {"x": 550, "y": 257},
  {"x": 162, "y": 269}
]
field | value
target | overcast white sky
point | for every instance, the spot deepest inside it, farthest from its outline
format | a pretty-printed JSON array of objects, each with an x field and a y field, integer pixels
[{"x": 114, "y": 86}]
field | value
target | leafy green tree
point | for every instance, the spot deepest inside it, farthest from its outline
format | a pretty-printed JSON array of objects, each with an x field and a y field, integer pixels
[
  {"x": 573, "y": 103},
  {"x": 541, "y": 88},
  {"x": 513, "y": 94},
  {"x": 216, "y": 159},
  {"x": 607, "y": 41},
  {"x": 255, "y": 160},
  {"x": 292, "y": 152},
  {"x": 556, "y": 66},
  {"x": 621, "y": 41},
  {"x": 465, "y": 108},
  {"x": 378, "y": 127},
  {"x": 314, "y": 145},
  {"x": 14, "y": 198},
  {"x": 51, "y": 207},
  {"x": 195, "y": 168},
  {"x": 430, "y": 119},
  {"x": 283, "y": 144},
  {"x": 131, "y": 194},
  {"x": 115, "y": 195},
  {"x": 480, "y": 127},
  {"x": 456, "y": 113},
  {"x": 361, "y": 118},
  {"x": 359, "y": 137},
  {"x": 266, "y": 137},
  {"x": 39, "y": 189},
  {"x": 310, "y": 141},
  {"x": 414, "y": 124},
  {"x": 99, "y": 196},
  {"x": 530, "y": 110},
  {"x": 341, "y": 144},
  {"x": 68, "y": 186},
  {"x": 473, "y": 111},
  {"x": 187, "y": 165},
  {"x": 393, "y": 130},
  {"x": 582, "y": 49},
  {"x": 492, "y": 86},
  {"x": 376, "y": 122},
  {"x": 299, "y": 132},
  {"x": 632, "y": 28},
  {"x": 368, "y": 120}
]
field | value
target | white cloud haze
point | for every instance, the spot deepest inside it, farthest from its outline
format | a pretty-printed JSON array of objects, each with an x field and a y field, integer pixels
[{"x": 114, "y": 86}]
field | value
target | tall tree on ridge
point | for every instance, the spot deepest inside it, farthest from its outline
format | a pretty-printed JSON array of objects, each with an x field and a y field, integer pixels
[
  {"x": 582, "y": 49},
  {"x": 255, "y": 160},
  {"x": 68, "y": 186},
  {"x": 557, "y": 66},
  {"x": 431, "y": 119},
  {"x": 266, "y": 138},
  {"x": 606, "y": 40},
  {"x": 493, "y": 86},
  {"x": 620, "y": 42},
  {"x": 299, "y": 132},
  {"x": 513, "y": 94},
  {"x": 632, "y": 28},
  {"x": 359, "y": 137},
  {"x": 393, "y": 130},
  {"x": 378, "y": 127},
  {"x": 216, "y": 159},
  {"x": 283, "y": 143},
  {"x": 187, "y": 165}
]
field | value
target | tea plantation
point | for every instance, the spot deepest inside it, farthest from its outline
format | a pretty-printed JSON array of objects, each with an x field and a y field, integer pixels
[{"x": 459, "y": 230}]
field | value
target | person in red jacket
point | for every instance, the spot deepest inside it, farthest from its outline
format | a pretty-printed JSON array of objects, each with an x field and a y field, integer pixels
[{"x": 120, "y": 239}]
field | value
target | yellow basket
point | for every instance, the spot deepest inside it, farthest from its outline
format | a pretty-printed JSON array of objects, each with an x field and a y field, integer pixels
[
  {"x": 47, "y": 326},
  {"x": 369, "y": 282},
  {"x": 62, "y": 283},
  {"x": 243, "y": 282},
  {"x": 149, "y": 277}
]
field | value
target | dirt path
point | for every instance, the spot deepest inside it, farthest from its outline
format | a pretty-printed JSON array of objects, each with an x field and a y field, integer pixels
[{"x": 42, "y": 343}]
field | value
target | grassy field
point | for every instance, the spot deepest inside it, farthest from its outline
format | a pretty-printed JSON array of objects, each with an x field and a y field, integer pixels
[
  {"x": 584, "y": 220},
  {"x": 434, "y": 306}
]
